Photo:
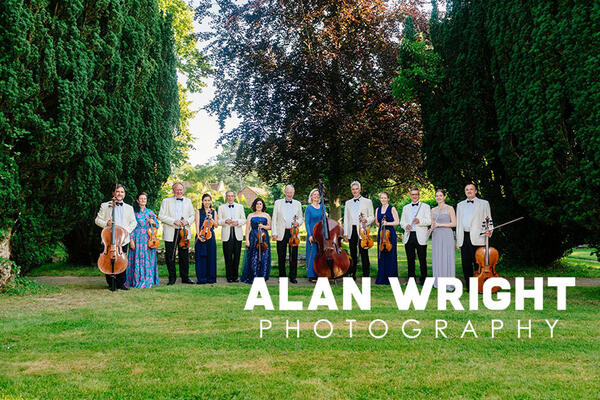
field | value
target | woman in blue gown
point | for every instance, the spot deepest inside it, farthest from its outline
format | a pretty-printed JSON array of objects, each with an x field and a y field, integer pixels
[
  {"x": 387, "y": 262},
  {"x": 312, "y": 215},
  {"x": 257, "y": 263},
  {"x": 206, "y": 249}
]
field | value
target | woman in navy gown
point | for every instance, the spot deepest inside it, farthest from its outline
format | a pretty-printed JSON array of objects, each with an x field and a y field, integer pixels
[
  {"x": 387, "y": 261},
  {"x": 206, "y": 249},
  {"x": 312, "y": 215},
  {"x": 257, "y": 263}
]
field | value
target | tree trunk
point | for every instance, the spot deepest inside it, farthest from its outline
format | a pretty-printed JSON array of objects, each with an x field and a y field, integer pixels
[{"x": 7, "y": 273}]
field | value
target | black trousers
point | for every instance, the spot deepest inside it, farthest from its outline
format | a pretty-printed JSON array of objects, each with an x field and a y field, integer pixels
[
  {"x": 231, "y": 252},
  {"x": 467, "y": 255},
  {"x": 184, "y": 261},
  {"x": 118, "y": 279},
  {"x": 364, "y": 255},
  {"x": 411, "y": 247},
  {"x": 282, "y": 246}
]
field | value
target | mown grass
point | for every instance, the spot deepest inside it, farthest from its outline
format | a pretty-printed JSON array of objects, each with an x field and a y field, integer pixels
[
  {"x": 579, "y": 264},
  {"x": 182, "y": 342}
]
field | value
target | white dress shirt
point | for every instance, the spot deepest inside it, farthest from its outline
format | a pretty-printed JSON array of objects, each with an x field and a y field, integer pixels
[
  {"x": 119, "y": 216},
  {"x": 355, "y": 210},
  {"x": 178, "y": 209},
  {"x": 414, "y": 208},
  {"x": 467, "y": 217},
  {"x": 288, "y": 214}
]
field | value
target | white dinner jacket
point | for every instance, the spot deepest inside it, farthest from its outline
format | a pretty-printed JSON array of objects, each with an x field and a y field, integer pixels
[
  {"x": 239, "y": 215},
  {"x": 482, "y": 210},
  {"x": 128, "y": 221},
  {"x": 278, "y": 220},
  {"x": 365, "y": 207},
  {"x": 166, "y": 215},
  {"x": 424, "y": 216}
]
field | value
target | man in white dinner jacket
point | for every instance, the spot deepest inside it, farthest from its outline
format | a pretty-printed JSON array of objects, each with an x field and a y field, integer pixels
[
  {"x": 125, "y": 218},
  {"x": 176, "y": 212},
  {"x": 287, "y": 212},
  {"x": 353, "y": 209},
  {"x": 416, "y": 217},
  {"x": 470, "y": 216},
  {"x": 232, "y": 219}
]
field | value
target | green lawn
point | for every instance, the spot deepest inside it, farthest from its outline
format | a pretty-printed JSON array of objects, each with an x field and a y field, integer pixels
[
  {"x": 183, "y": 342},
  {"x": 579, "y": 264}
]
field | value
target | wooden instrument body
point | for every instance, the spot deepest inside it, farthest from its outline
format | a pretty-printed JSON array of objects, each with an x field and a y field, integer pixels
[
  {"x": 385, "y": 245},
  {"x": 366, "y": 241},
  {"x": 294, "y": 240},
  {"x": 113, "y": 260},
  {"x": 486, "y": 257},
  {"x": 207, "y": 225},
  {"x": 153, "y": 240},
  {"x": 330, "y": 254},
  {"x": 184, "y": 242}
]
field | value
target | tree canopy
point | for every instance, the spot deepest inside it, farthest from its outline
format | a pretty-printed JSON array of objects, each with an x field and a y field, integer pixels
[
  {"x": 88, "y": 98},
  {"x": 310, "y": 81}
]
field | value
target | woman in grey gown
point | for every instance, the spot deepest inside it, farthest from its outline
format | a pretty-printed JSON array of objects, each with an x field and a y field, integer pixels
[{"x": 443, "y": 219}]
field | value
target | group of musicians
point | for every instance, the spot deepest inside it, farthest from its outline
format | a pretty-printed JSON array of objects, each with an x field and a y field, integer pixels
[{"x": 177, "y": 214}]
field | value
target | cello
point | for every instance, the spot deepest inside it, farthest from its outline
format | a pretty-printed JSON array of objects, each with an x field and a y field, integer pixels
[
  {"x": 113, "y": 261},
  {"x": 331, "y": 261},
  {"x": 487, "y": 257}
]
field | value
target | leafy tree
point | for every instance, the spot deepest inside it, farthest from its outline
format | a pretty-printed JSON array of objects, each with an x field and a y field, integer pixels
[
  {"x": 88, "y": 98},
  {"x": 310, "y": 81},
  {"x": 516, "y": 111}
]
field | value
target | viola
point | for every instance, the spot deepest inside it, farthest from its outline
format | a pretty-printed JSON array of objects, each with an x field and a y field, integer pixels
[
  {"x": 207, "y": 225},
  {"x": 184, "y": 242},
  {"x": 113, "y": 260},
  {"x": 486, "y": 258},
  {"x": 366, "y": 242},
  {"x": 153, "y": 241},
  {"x": 294, "y": 240},
  {"x": 332, "y": 261},
  {"x": 384, "y": 238}
]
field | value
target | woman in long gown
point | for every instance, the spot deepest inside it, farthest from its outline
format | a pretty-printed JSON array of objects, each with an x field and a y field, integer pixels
[
  {"x": 443, "y": 219},
  {"x": 205, "y": 250},
  {"x": 312, "y": 215},
  {"x": 142, "y": 270},
  {"x": 387, "y": 261},
  {"x": 257, "y": 263}
]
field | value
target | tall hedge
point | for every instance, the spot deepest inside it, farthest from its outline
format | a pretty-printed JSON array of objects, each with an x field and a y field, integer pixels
[
  {"x": 517, "y": 111},
  {"x": 88, "y": 97}
]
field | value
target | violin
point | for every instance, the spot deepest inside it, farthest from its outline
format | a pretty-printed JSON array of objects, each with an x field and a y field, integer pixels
[
  {"x": 153, "y": 241},
  {"x": 294, "y": 240},
  {"x": 113, "y": 260},
  {"x": 184, "y": 242},
  {"x": 332, "y": 261},
  {"x": 207, "y": 225},
  {"x": 384, "y": 238},
  {"x": 261, "y": 243},
  {"x": 366, "y": 242},
  {"x": 487, "y": 258}
]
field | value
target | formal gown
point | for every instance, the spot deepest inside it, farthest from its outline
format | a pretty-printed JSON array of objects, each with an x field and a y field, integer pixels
[
  {"x": 312, "y": 215},
  {"x": 142, "y": 270},
  {"x": 387, "y": 262},
  {"x": 206, "y": 255},
  {"x": 442, "y": 248},
  {"x": 255, "y": 264}
]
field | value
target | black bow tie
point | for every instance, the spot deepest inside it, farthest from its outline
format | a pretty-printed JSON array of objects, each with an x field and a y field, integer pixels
[
  {"x": 119, "y": 204},
  {"x": 288, "y": 201},
  {"x": 470, "y": 201},
  {"x": 355, "y": 200},
  {"x": 230, "y": 206},
  {"x": 181, "y": 199},
  {"x": 415, "y": 204}
]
